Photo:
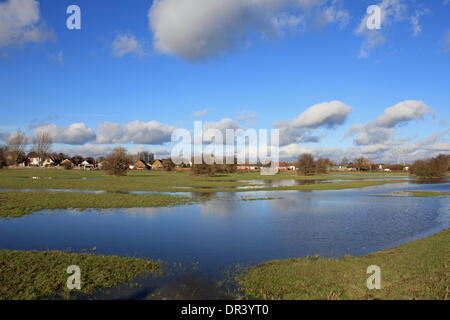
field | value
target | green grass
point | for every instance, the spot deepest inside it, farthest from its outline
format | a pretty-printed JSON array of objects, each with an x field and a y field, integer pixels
[
  {"x": 178, "y": 181},
  {"x": 417, "y": 270},
  {"x": 16, "y": 204},
  {"x": 26, "y": 275},
  {"x": 415, "y": 194}
]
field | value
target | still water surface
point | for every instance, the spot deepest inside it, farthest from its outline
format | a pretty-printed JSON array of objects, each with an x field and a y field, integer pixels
[{"x": 222, "y": 231}]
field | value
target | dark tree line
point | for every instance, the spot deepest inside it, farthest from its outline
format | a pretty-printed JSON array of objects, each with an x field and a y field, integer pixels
[{"x": 432, "y": 168}]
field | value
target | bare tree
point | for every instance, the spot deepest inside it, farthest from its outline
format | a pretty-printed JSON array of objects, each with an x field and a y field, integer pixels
[
  {"x": 306, "y": 165},
  {"x": 322, "y": 165},
  {"x": 16, "y": 146},
  {"x": 42, "y": 144},
  {"x": 118, "y": 162},
  {"x": 362, "y": 164},
  {"x": 344, "y": 161}
]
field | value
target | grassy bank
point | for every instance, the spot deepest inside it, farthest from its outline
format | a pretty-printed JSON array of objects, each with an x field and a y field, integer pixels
[
  {"x": 36, "y": 275},
  {"x": 178, "y": 181},
  {"x": 415, "y": 194},
  {"x": 417, "y": 270},
  {"x": 16, "y": 204}
]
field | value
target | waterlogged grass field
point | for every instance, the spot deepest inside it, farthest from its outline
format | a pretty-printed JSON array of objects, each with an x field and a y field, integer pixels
[
  {"x": 16, "y": 204},
  {"x": 176, "y": 181},
  {"x": 417, "y": 270},
  {"x": 27, "y": 275}
]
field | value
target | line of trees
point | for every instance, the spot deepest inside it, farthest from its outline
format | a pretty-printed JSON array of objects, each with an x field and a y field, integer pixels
[
  {"x": 15, "y": 150},
  {"x": 432, "y": 168}
]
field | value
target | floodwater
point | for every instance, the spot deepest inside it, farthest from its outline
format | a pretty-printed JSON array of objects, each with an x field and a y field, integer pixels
[{"x": 221, "y": 232}]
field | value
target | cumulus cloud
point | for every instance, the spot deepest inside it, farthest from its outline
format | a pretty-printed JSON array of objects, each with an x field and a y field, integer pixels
[
  {"x": 126, "y": 44},
  {"x": 382, "y": 128},
  {"x": 390, "y": 152},
  {"x": 402, "y": 113},
  {"x": 200, "y": 29},
  {"x": 20, "y": 23},
  {"x": 76, "y": 133},
  {"x": 327, "y": 115},
  {"x": 137, "y": 132}
]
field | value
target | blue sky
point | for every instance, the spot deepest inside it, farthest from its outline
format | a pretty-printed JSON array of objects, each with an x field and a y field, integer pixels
[{"x": 138, "y": 70}]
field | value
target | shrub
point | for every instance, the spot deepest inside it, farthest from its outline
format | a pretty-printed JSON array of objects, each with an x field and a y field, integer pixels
[
  {"x": 67, "y": 165},
  {"x": 117, "y": 163},
  {"x": 168, "y": 165}
]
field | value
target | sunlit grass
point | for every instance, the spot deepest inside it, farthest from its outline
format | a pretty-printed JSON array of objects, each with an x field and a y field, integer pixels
[
  {"x": 177, "y": 181},
  {"x": 417, "y": 270},
  {"x": 16, "y": 204},
  {"x": 26, "y": 275}
]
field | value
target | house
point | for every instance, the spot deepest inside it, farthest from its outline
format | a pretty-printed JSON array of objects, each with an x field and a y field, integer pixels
[
  {"x": 157, "y": 165},
  {"x": 283, "y": 166},
  {"x": 248, "y": 167},
  {"x": 341, "y": 168},
  {"x": 86, "y": 165},
  {"x": 34, "y": 161},
  {"x": 48, "y": 162},
  {"x": 142, "y": 165}
]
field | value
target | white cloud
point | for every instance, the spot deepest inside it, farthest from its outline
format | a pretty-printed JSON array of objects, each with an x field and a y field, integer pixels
[
  {"x": 20, "y": 23},
  {"x": 378, "y": 152},
  {"x": 137, "y": 132},
  {"x": 126, "y": 44},
  {"x": 109, "y": 132},
  {"x": 327, "y": 115},
  {"x": 382, "y": 128},
  {"x": 200, "y": 29},
  {"x": 76, "y": 133},
  {"x": 403, "y": 112}
]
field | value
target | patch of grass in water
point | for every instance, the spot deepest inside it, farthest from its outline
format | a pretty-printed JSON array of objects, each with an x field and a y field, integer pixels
[
  {"x": 257, "y": 199},
  {"x": 27, "y": 275},
  {"x": 415, "y": 194}
]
